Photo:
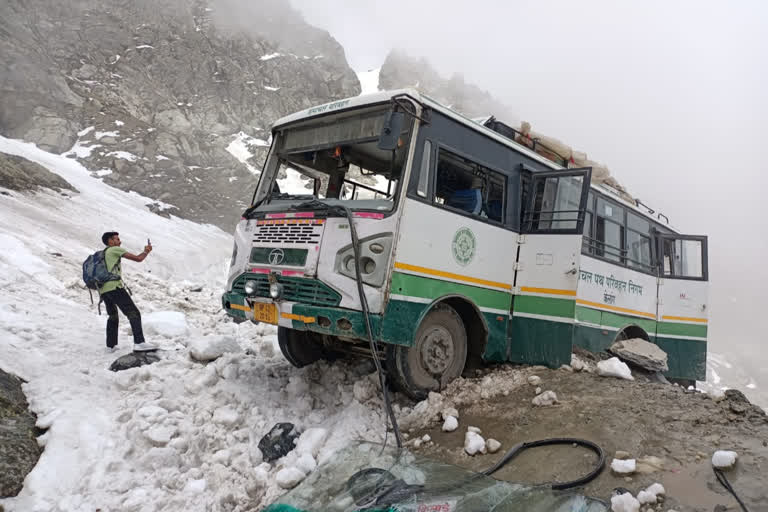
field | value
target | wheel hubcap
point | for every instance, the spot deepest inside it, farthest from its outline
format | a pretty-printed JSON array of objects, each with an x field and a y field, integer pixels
[{"x": 437, "y": 350}]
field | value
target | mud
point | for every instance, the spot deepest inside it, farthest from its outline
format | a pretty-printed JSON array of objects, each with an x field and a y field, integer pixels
[{"x": 640, "y": 417}]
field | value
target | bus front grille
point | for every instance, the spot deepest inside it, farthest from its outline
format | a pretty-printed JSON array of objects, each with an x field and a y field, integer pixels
[{"x": 295, "y": 289}]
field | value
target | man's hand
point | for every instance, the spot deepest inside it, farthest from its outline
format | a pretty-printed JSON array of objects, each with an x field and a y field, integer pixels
[{"x": 148, "y": 248}]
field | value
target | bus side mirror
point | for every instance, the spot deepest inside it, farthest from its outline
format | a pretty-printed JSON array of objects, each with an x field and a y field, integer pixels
[{"x": 390, "y": 133}]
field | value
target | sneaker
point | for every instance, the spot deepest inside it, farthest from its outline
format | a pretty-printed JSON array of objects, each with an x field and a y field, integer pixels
[
  {"x": 144, "y": 347},
  {"x": 110, "y": 350}
]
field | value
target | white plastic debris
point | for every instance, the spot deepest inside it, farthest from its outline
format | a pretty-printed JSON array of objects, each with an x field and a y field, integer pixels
[
  {"x": 492, "y": 445},
  {"x": 624, "y": 467},
  {"x": 614, "y": 368},
  {"x": 450, "y": 424},
  {"x": 625, "y": 503},
  {"x": 544, "y": 399},
  {"x": 534, "y": 380},
  {"x": 473, "y": 443},
  {"x": 724, "y": 459}
]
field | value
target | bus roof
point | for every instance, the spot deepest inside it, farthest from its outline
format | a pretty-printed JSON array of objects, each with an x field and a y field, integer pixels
[{"x": 383, "y": 97}]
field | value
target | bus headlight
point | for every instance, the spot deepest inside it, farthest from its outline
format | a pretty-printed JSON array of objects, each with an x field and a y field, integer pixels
[
  {"x": 374, "y": 256},
  {"x": 250, "y": 287},
  {"x": 275, "y": 290}
]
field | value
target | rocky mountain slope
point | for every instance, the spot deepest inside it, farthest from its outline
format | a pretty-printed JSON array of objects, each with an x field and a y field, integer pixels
[{"x": 151, "y": 93}]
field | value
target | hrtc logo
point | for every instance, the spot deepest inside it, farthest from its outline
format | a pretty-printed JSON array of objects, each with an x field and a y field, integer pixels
[
  {"x": 276, "y": 256},
  {"x": 683, "y": 296}
]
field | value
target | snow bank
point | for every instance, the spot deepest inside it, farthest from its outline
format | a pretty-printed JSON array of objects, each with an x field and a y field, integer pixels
[
  {"x": 209, "y": 348},
  {"x": 613, "y": 367},
  {"x": 165, "y": 323}
]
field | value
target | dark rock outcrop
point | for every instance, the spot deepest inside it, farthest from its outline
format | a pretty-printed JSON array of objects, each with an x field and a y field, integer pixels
[
  {"x": 133, "y": 360},
  {"x": 19, "y": 450},
  {"x": 18, "y": 173}
]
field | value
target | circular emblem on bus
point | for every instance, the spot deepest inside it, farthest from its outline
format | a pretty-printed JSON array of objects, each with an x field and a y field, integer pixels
[
  {"x": 463, "y": 246},
  {"x": 276, "y": 256}
]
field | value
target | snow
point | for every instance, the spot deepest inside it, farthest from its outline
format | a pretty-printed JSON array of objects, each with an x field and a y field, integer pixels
[
  {"x": 81, "y": 151},
  {"x": 613, "y": 367},
  {"x": 450, "y": 424},
  {"x": 143, "y": 46},
  {"x": 534, "y": 380},
  {"x": 161, "y": 157},
  {"x": 624, "y": 503},
  {"x": 85, "y": 131},
  {"x": 271, "y": 88},
  {"x": 165, "y": 323},
  {"x": 545, "y": 399},
  {"x": 99, "y": 135},
  {"x": 624, "y": 466},
  {"x": 119, "y": 123},
  {"x": 724, "y": 459},
  {"x": 289, "y": 478},
  {"x": 270, "y": 56},
  {"x": 177, "y": 435},
  {"x": 123, "y": 155},
  {"x": 651, "y": 494},
  {"x": 473, "y": 443},
  {"x": 369, "y": 81},
  {"x": 211, "y": 347},
  {"x": 239, "y": 149}
]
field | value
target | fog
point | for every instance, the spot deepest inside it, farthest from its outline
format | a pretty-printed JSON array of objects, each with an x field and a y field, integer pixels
[{"x": 672, "y": 96}]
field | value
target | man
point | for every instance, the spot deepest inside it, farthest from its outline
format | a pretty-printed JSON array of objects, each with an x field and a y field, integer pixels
[{"x": 115, "y": 296}]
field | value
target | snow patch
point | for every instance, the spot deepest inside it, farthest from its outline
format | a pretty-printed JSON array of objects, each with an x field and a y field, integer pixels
[
  {"x": 99, "y": 135},
  {"x": 624, "y": 467},
  {"x": 165, "y": 323},
  {"x": 270, "y": 56},
  {"x": 209, "y": 348},
  {"x": 474, "y": 443},
  {"x": 613, "y": 367},
  {"x": 369, "y": 81},
  {"x": 123, "y": 155}
]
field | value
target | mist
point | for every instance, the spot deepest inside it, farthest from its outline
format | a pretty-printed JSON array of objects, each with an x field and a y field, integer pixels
[{"x": 671, "y": 96}]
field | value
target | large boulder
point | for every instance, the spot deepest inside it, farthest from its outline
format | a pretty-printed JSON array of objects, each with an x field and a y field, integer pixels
[
  {"x": 641, "y": 353},
  {"x": 18, "y": 173},
  {"x": 19, "y": 450}
]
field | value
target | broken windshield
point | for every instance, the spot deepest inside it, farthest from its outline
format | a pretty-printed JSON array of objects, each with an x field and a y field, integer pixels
[{"x": 335, "y": 159}]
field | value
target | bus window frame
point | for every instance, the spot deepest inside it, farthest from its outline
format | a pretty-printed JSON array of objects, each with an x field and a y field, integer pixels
[
  {"x": 532, "y": 176},
  {"x": 659, "y": 239},
  {"x": 437, "y": 145}
]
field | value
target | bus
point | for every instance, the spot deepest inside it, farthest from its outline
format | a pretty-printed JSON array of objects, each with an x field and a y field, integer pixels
[{"x": 389, "y": 225}]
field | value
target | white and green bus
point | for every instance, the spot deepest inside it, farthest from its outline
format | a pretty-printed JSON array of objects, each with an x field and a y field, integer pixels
[{"x": 470, "y": 247}]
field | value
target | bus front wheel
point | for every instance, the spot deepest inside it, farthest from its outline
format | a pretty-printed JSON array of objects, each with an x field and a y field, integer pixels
[
  {"x": 437, "y": 356},
  {"x": 300, "y": 348}
]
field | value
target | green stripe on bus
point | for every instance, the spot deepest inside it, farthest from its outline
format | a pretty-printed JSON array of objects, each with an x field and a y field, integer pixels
[
  {"x": 673, "y": 329},
  {"x": 429, "y": 288},
  {"x": 544, "y": 306}
]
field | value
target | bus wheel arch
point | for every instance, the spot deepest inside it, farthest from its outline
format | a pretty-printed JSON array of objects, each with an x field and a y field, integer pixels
[
  {"x": 475, "y": 326},
  {"x": 631, "y": 331}
]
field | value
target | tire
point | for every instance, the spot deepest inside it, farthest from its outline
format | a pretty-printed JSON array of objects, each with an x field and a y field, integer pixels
[
  {"x": 437, "y": 356},
  {"x": 300, "y": 348}
]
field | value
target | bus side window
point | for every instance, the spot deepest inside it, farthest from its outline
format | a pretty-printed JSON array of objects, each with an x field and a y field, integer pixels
[
  {"x": 426, "y": 156},
  {"x": 464, "y": 185},
  {"x": 683, "y": 258},
  {"x": 609, "y": 231},
  {"x": 589, "y": 240},
  {"x": 638, "y": 242}
]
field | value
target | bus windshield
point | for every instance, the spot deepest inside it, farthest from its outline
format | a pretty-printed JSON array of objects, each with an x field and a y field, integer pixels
[{"x": 336, "y": 159}]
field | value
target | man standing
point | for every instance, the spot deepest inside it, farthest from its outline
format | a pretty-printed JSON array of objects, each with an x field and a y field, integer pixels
[{"x": 115, "y": 296}]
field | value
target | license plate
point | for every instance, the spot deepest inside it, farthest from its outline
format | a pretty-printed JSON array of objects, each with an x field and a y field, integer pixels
[{"x": 265, "y": 312}]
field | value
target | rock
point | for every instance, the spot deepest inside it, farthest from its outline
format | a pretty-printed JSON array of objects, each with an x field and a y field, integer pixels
[
  {"x": 492, "y": 445},
  {"x": 641, "y": 353},
  {"x": 566, "y": 367},
  {"x": 623, "y": 467},
  {"x": 18, "y": 173},
  {"x": 426, "y": 438},
  {"x": 450, "y": 424},
  {"x": 474, "y": 443},
  {"x": 577, "y": 364},
  {"x": 278, "y": 441},
  {"x": 724, "y": 459},
  {"x": 614, "y": 368},
  {"x": 534, "y": 380},
  {"x": 649, "y": 464},
  {"x": 537, "y": 391},
  {"x": 651, "y": 494},
  {"x": 738, "y": 403},
  {"x": 288, "y": 478},
  {"x": 133, "y": 360},
  {"x": 450, "y": 411},
  {"x": 475, "y": 430},
  {"x": 209, "y": 348},
  {"x": 19, "y": 451},
  {"x": 545, "y": 399},
  {"x": 621, "y": 455}
]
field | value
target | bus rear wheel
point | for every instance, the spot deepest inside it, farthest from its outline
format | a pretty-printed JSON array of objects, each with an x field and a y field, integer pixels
[
  {"x": 437, "y": 356},
  {"x": 300, "y": 348}
]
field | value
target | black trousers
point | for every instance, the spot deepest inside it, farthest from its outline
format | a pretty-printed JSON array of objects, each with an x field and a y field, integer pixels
[{"x": 119, "y": 298}]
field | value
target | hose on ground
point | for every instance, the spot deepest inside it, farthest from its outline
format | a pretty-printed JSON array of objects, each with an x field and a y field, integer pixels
[{"x": 725, "y": 483}]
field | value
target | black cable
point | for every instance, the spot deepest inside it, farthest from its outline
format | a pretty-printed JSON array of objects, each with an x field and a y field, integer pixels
[
  {"x": 725, "y": 483},
  {"x": 518, "y": 448}
]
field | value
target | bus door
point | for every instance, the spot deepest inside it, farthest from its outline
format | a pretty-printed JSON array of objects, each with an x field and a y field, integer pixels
[
  {"x": 547, "y": 265},
  {"x": 682, "y": 312}
]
